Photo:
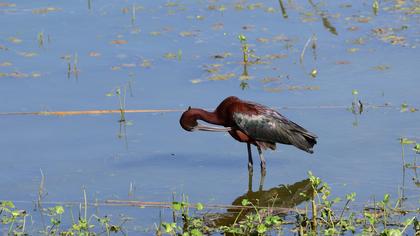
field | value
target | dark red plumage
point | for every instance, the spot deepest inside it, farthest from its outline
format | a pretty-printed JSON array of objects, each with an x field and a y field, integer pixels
[{"x": 251, "y": 123}]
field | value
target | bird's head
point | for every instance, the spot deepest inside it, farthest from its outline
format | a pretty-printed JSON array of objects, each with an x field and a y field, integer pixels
[{"x": 188, "y": 121}]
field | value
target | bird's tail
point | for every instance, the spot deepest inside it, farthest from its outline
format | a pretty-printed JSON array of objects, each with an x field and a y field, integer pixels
[{"x": 305, "y": 141}]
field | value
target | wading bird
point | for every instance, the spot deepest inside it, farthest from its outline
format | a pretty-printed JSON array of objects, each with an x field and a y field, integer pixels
[{"x": 250, "y": 123}]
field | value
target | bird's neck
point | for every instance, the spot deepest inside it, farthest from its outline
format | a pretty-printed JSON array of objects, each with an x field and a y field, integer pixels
[{"x": 209, "y": 117}]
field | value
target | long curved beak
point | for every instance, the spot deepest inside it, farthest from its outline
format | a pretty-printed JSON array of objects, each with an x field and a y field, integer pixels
[{"x": 212, "y": 128}]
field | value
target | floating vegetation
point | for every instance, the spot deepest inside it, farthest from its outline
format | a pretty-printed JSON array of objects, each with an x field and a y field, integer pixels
[
  {"x": 381, "y": 67},
  {"x": 359, "y": 41},
  {"x": 170, "y": 55},
  {"x": 342, "y": 62},
  {"x": 305, "y": 87},
  {"x": 291, "y": 88},
  {"x": 15, "y": 40},
  {"x": 6, "y": 63},
  {"x": 353, "y": 50},
  {"x": 363, "y": 19},
  {"x": 20, "y": 75},
  {"x": 263, "y": 40},
  {"x": 45, "y": 10},
  {"x": 217, "y": 26},
  {"x": 212, "y": 68},
  {"x": 146, "y": 63},
  {"x": 7, "y": 4},
  {"x": 353, "y": 28},
  {"x": 406, "y": 108},
  {"x": 196, "y": 81},
  {"x": 94, "y": 54},
  {"x": 388, "y": 35},
  {"x": 222, "y": 55},
  {"x": 155, "y": 33},
  {"x": 222, "y": 76},
  {"x": 276, "y": 56},
  {"x": 119, "y": 41},
  {"x": 28, "y": 54}
]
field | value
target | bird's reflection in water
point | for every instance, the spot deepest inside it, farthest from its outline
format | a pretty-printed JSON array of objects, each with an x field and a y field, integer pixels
[{"x": 278, "y": 200}]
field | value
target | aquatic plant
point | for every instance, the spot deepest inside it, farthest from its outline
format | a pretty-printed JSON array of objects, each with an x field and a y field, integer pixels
[{"x": 245, "y": 48}]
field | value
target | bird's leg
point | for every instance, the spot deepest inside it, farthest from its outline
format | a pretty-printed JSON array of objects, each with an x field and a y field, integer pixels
[
  {"x": 262, "y": 180},
  {"x": 250, "y": 173},
  {"x": 261, "y": 159},
  {"x": 250, "y": 162}
]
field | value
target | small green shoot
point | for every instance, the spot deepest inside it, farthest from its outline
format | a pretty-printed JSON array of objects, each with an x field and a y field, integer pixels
[
  {"x": 245, "y": 48},
  {"x": 375, "y": 7}
]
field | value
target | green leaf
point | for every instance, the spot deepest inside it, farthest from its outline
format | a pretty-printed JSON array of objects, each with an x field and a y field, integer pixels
[
  {"x": 199, "y": 206},
  {"x": 417, "y": 148},
  {"x": 351, "y": 196},
  {"x": 245, "y": 202},
  {"x": 242, "y": 38},
  {"x": 261, "y": 228},
  {"x": 404, "y": 107},
  {"x": 176, "y": 206},
  {"x": 406, "y": 141},
  {"x": 314, "y": 73},
  {"x": 391, "y": 232},
  {"x": 59, "y": 210},
  {"x": 196, "y": 232},
  {"x": 7, "y": 204},
  {"x": 386, "y": 198},
  {"x": 18, "y": 213}
]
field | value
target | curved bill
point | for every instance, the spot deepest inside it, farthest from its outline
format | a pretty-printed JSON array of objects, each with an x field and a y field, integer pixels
[{"x": 212, "y": 128}]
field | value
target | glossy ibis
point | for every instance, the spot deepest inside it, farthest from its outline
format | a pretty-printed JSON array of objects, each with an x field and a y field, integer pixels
[{"x": 251, "y": 123}]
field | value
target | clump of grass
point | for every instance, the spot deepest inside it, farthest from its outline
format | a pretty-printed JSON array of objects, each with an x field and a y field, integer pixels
[
  {"x": 181, "y": 215},
  {"x": 356, "y": 105},
  {"x": 72, "y": 65},
  {"x": 16, "y": 219},
  {"x": 120, "y": 92}
]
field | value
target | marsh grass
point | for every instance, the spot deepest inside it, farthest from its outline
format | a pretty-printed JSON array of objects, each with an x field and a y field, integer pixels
[
  {"x": 52, "y": 218},
  {"x": 121, "y": 93},
  {"x": 323, "y": 215}
]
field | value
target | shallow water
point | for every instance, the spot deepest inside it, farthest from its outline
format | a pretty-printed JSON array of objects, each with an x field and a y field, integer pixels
[{"x": 355, "y": 153}]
